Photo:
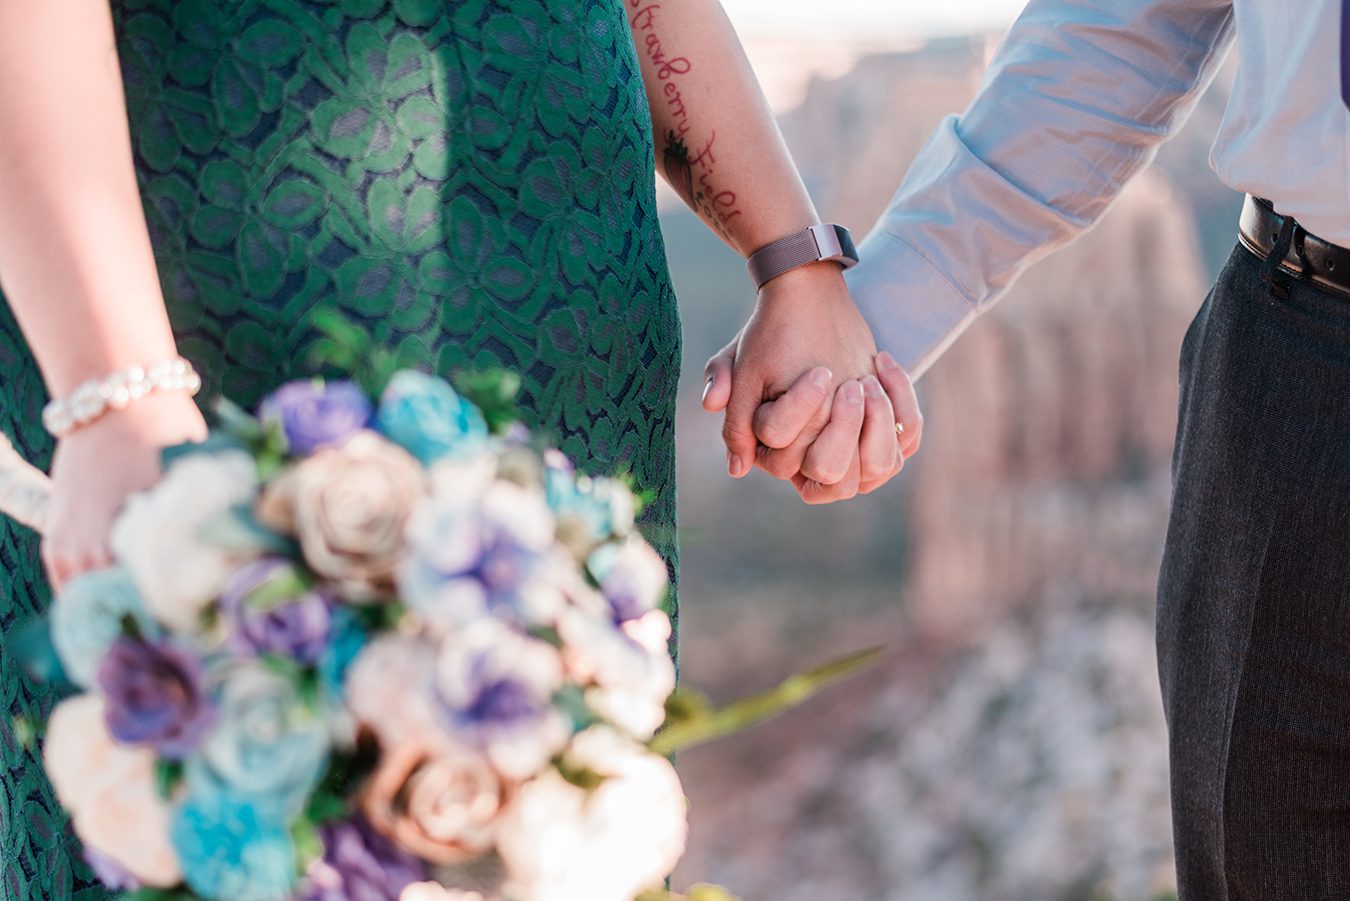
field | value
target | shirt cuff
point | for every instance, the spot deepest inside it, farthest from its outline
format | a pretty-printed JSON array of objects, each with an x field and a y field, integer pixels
[{"x": 914, "y": 312}]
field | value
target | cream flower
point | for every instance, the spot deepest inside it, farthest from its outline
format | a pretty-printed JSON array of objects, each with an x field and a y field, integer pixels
[
  {"x": 627, "y": 669},
  {"x": 158, "y": 537},
  {"x": 109, "y": 790},
  {"x": 436, "y": 799},
  {"x": 389, "y": 689},
  {"x": 563, "y": 843},
  {"x": 349, "y": 506}
]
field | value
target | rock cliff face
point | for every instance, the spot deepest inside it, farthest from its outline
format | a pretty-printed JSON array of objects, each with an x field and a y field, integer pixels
[{"x": 1013, "y": 746}]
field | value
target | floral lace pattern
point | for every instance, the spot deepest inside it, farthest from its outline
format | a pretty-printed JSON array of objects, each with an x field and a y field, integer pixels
[{"x": 469, "y": 183}]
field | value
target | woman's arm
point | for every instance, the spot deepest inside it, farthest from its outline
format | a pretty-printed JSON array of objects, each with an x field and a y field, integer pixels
[
  {"x": 76, "y": 264},
  {"x": 718, "y": 146}
]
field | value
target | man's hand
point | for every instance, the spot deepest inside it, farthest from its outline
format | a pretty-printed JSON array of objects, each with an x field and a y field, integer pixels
[{"x": 830, "y": 429}]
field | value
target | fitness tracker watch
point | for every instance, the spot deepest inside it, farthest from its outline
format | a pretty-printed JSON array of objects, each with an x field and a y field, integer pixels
[{"x": 818, "y": 243}]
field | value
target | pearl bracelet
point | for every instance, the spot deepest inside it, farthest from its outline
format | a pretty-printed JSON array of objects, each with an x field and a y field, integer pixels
[{"x": 99, "y": 396}]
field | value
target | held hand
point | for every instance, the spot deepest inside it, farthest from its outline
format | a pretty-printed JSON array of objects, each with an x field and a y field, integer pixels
[
  {"x": 96, "y": 468},
  {"x": 779, "y": 399}
]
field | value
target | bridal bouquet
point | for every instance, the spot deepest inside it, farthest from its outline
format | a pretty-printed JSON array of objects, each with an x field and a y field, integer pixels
[{"x": 378, "y": 646}]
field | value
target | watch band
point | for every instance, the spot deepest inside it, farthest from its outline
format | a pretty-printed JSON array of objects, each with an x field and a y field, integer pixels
[{"x": 831, "y": 243}]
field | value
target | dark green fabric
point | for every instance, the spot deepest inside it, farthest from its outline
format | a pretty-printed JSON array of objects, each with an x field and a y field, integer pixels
[{"x": 469, "y": 181}]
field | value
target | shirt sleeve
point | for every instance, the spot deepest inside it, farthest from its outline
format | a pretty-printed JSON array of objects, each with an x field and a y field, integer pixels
[{"x": 1074, "y": 104}]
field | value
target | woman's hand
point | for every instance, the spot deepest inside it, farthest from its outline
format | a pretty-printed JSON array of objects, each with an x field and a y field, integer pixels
[
  {"x": 802, "y": 400},
  {"x": 97, "y": 467}
]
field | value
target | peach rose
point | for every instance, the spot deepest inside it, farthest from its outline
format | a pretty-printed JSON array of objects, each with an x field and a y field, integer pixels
[
  {"x": 437, "y": 800},
  {"x": 349, "y": 506},
  {"x": 110, "y": 791}
]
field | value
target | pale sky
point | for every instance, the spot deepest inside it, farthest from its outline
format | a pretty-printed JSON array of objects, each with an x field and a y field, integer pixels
[
  {"x": 790, "y": 42},
  {"x": 874, "y": 19}
]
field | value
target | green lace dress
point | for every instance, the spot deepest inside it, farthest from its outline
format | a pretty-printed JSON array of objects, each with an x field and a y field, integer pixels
[{"x": 470, "y": 181}]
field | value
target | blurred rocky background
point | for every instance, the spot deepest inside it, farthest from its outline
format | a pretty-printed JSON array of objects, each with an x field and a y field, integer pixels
[{"x": 1011, "y": 746}]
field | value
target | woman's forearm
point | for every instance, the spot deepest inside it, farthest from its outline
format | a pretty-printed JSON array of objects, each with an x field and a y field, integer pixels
[
  {"x": 717, "y": 143},
  {"x": 75, "y": 259}
]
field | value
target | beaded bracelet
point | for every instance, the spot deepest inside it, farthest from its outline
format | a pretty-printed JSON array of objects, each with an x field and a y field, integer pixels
[{"x": 115, "y": 392}]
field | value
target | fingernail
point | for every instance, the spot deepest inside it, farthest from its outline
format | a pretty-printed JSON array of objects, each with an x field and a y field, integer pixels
[
  {"x": 735, "y": 467},
  {"x": 708, "y": 387},
  {"x": 821, "y": 377},
  {"x": 886, "y": 361},
  {"x": 853, "y": 394},
  {"x": 873, "y": 387}
]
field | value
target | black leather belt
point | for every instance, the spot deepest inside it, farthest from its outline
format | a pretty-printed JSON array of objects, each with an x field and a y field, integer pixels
[{"x": 1326, "y": 264}]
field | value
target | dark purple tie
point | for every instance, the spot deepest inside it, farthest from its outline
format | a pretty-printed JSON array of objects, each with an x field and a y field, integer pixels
[{"x": 1345, "y": 51}]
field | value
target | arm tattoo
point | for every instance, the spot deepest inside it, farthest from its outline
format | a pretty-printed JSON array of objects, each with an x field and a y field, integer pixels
[{"x": 690, "y": 172}]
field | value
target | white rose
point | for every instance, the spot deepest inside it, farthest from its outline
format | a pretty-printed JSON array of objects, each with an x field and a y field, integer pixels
[
  {"x": 627, "y": 669},
  {"x": 158, "y": 536},
  {"x": 109, "y": 790},
  {"x": 563, "y": 843},
  {"x": 389, "y": 689}
]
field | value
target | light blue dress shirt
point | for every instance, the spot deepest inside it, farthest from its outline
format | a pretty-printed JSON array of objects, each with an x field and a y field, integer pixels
[{"x": 1074, "y": 104}]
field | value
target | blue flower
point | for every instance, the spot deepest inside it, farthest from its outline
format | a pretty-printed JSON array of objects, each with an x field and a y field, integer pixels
[
  {"x": 88, "y": 617},
  {"x": 423, "y": 415},
  {"x": 267, "y": 746},
  {"x": 232, "y": 850},
  {"x": 603, "y": 506},
  {"x": 315, "y": 414},
  {"x": 347, "y": 640}
]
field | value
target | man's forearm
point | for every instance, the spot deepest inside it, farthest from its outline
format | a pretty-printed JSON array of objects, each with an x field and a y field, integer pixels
[
  {"x": 1074, "y": 105},
  {"x": 717, "y": 143}
]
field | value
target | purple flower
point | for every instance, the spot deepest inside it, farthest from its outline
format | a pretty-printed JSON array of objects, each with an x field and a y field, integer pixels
[
  {"x": 109, "y": 872},
  {"x": 156, "y": 696},
  {"x": 481, "y": 555},
  {"x": 359, "y": 864},
  {"x": 314, "y": 414},
  {"x": 271, "y": 612},
  {"x": 495, "y": 688}
]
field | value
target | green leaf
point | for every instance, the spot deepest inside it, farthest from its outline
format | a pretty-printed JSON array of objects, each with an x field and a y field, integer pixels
[
  {"x": 308, "y": 844},
  {"x": 686, "y": 705},
  {"x": 698, "y": 727},
  {"x": 30, "y": 643},
  {"x": 705, "y": 892},
  {"x": 234, "y": 419},
  {"x": 583, "y": 778},
  {"x": 492, "y": 391},
  {"x": 329, "y": 799},
  {"x": 571, "y": 700},
  {"x": 285, "y": 585},
  {"x": 168, "y": 776},
  {"x": 216, "y": 442},
  {"x": 159, "y": 894},
  {"x": 25, "y": 733},
  {"x": 342, "y": 331},
  {"x": 238, "y": 529}
]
